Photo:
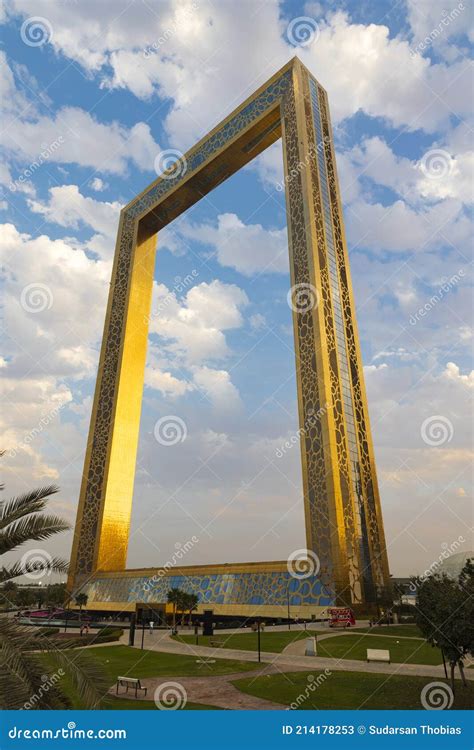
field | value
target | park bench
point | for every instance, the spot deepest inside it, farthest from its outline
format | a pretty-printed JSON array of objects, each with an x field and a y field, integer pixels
[
  {"x": 216, "y": 644},
  {"x": 378, "y": 654},
  {"x": 130, "y": 682}
]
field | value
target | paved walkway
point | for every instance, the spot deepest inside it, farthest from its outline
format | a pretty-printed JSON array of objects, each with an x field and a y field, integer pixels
[
  {"x": 211, "y": 691},
  {"x": 284, "y": 662}
]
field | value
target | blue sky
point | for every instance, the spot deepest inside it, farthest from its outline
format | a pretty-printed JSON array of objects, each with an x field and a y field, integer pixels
[{"x": 94, "y": 94}]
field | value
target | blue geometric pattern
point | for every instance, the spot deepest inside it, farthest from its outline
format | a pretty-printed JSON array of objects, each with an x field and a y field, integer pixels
[{"x": 216, "y": 588}]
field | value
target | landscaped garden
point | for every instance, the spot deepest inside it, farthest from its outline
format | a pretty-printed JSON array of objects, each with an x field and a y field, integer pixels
[
  {"x": 272, "y": 641},
  {"x": 126, "y": 661},
  {"x": 402, "y": 650},
  {"x": 346, "y": 690}
]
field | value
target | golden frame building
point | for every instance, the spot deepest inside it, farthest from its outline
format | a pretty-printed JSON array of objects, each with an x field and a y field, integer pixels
[{"x": 344, "y": 529}]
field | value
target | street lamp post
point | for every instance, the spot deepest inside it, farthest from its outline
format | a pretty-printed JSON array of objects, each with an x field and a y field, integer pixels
[
  {"x": 258, "y": 637},
  {"x": 288, "y": 604}
]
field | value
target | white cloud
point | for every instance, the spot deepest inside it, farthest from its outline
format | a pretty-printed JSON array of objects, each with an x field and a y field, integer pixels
[
  {"x": 72, "y": 136},
  {"x": 212, "y": 58},
  {"x": 194, "y": 327},
  {"x": 453, "y": 373},
  {"x": 249, "y": 248},
  {"x": 97, "y": 184},
  {"x": 69, "y": 208},
  {"x": 218, "y": 387}
]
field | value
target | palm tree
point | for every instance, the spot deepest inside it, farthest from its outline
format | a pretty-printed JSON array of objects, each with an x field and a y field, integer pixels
[
  {"x": 175, "y": 598},
  {"x": 21, "y": 676},
  {"x": 192, "y": 600},
  {"x": 81, "y": 601}
]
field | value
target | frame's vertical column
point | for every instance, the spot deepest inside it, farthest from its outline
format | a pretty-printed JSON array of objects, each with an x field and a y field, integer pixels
[
  {"x": 325, "y": 527},
  {"x": 105, "y": 503},
  {"x": 375, "y": 530}
]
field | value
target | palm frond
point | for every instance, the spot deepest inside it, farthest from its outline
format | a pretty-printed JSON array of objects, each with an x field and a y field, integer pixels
[
  {"x": 30, "y": 502},
  {"x": 53, "y": 565},
  {"x": 23, "y": 679},
  {"x": 32, "y": 528},
  {"x": 86, "y": 673}
]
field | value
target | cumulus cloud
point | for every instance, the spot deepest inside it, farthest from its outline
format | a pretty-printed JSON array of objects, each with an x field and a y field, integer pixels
[
  {"x": 194, "y": 326},
  {"x": 224, "y": 56},
  {"x": 249, "y": 248}
]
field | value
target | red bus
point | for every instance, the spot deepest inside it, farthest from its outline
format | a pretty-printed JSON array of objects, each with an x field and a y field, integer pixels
[{"x": 341, "y": 617}]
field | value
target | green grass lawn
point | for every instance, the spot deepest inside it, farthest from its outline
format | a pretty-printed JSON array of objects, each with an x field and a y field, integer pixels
[
  {"x": 126, "y": 661},
  {"x": 355, "y": 645},
  {"x": 346, "y": 690},
  {"x": 274, "y": 641},
  {"x": 407, "y": 630}
]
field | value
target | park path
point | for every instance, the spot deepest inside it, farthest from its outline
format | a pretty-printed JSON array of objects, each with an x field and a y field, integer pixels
[
  {"x": 284, "y": 662},
  {"x": 215, "y": 691}
]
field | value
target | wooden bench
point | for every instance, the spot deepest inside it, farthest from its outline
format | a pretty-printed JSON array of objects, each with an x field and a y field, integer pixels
[
  {"x": 130, "y": 682},
  {"x": 215, "y": 644},
  {"x": 378, "y": 654}
]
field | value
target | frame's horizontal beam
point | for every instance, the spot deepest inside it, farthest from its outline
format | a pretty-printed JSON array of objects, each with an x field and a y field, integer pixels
[{"x": 258, "y": 136}]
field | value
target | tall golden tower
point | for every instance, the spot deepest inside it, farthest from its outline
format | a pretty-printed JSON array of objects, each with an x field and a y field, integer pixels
[{"x": 344, "y": 528}]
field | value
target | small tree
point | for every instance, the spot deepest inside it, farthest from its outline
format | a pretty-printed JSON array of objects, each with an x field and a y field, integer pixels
[
  {"x": 174, "y": 598},
  {"x": 192, "y": 600},
  {"x": 445, "y": 615},
  {"x": 81, "y": 601}
]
